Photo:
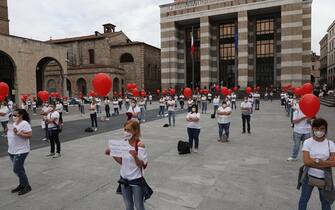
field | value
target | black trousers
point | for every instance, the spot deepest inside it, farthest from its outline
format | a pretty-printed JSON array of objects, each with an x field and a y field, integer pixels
[
  {"x": 246, "y": 119},
  {"x": 107, "y": 110},
  {"x": 116, "y": 111},
  {"x": 94, "y": 120},
  {"x": 54, "y": 139}
]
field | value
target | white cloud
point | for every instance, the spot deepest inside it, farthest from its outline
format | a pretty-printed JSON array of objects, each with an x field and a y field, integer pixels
[{"x": 139, "y": 19}]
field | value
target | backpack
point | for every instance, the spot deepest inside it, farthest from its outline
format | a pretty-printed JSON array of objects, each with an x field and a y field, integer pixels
[
  {"x": 212, "y": 116},
  {"x": 183, "y": 147},
  {"x": 89, "y": 130}
]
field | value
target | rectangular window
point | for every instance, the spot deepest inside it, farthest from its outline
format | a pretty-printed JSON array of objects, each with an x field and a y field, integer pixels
[
  {"x": 227, "y": 30},
  {"x": 264, "y": 26},
  {"x": 91, "y": 56},
  {"x": 264, "y": 48}
]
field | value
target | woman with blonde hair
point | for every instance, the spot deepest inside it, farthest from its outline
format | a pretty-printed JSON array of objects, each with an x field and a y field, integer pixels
[{"x": 131, "y": 180}]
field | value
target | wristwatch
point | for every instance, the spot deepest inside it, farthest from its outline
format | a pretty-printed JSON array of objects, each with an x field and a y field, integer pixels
[{"x": 317, "y": 160}]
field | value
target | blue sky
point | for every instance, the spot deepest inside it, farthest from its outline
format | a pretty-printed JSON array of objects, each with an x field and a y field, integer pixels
[{"x": 139, "y": 19}]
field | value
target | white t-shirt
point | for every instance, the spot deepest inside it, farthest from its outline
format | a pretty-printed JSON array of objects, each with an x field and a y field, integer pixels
[
  {"x": 162, "y": 102},
  {"x": 233, "y": 97},
  {"x": 93, "y": 108},
  {"x": 209, "y": 96},
  {"x": 203, "y": 98},
  {"x": 223, "y": 119},
  {"x": 141, "y": 104},
  {"x": 136, "y": 109},
  {"x": 318, "y": 150},
  {"x": 129, "y": 169},
  {"x": 216, "y": 101},
  {"x": 115, "y": 104},
  {"x": 246, "y": 105},
  {"x": 59, "y": 107},
  {"x": 171, "y": 105},
  {"x": 6, "y": 111},
  {"x": 193, "y": 124},
  {"x": 150, "y": 97},
  {"x": 34, "y": 104},
  {"x": 302, "y": 127},
  {"x": 190, "y": 103},
  {"x": 54, "y": 115},
  {"x": 18, "y": 145}
]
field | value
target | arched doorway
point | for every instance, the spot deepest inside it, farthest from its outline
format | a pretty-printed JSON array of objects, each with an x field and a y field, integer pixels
[
  {"x": 82, "y": 86},
  {"x": 68, "y": 87},
  {"x": 46, "y": 69},
  {"x": 7, "y": 73},
  {"x": 116, "y": 85}
]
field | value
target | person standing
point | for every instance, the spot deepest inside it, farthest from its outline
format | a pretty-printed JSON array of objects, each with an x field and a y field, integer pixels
[
  {"x": 216, "y": 102},
  {"x": 120, "y": 100},
  {"x": 257, "y": 98},
  {"x": 33, "y": 104},
  {"x": 150, "y": 99},
  {"x": 224, "y": 113},
  {"x": 66, "y": 105},
  {"x": 143, "y": 109},
  {"x": 82, "y": 107},
  {"x": 203, "y": 104},
  {"x": 171, "y": 111},
  {"x": 181, "y": 101},
  {"x": 209, "y": 96},
  {"x": 29, "y": 105},
  {"x": 53, "y": 131},
  {"x": 127, "y": 102},
  {"x": 132, "y": 167},
  {"x": 44, "y": 112},
  {"x": 161, "y": 107},
  {"x": 193, "y": 127},
  {"x": 190, "y": 103},
  {"x": 319, "y": 157},
  {"x": 301, "y": 132},
  {"x": 246, "y": 109},
  {"x": 134, "y": 110},
  {"x": 59, "y": 109},
  {"x": 116, "y": 106},
  {"x": 233, "y": 100},
  {"x": 93, "y": 115},
  {"x": 19, "y": 134},
  {"x": 4, "y": 116},
  {"x": 107, "y": 108}
]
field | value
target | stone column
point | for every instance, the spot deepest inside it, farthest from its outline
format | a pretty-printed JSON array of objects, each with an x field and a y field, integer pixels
[
  {"x": 205, "y": 51},
  {"x": 243, "y": 49},
  {"x": 169, "y": 54},
  {"x": 306, "y": 41},
  {"x": 292, "y": 46}
]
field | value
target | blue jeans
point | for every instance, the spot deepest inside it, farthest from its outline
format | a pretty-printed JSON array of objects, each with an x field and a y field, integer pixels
[
  {"x": 193, "y": 135},
  {"x": 142, "y": 116},
  {"x": 297, "y": 139},
  {"x": 173, "y": 115},
  {"x": 306, "y": 192},
  {"x": 204, "y": 107},
  {"x": 215, "y": 108},
  {"x": 161, "y": 110},
  {"x": 18, "y": 167},
  {"x": 225, "y": 127},
  {"x": 133, "y": 194}
]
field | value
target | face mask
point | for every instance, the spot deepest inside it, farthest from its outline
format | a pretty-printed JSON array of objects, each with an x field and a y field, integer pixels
[
  {"x": 127, "y": 136},
  {"x": 245, "y": 101},
  {"x": 194, "y": 110},
  {"x": 15, "y": 119},
  {"x": 224, "y": 105},
  {"x": 133, "y": 104},
  {"x": 319, "y": 134}
]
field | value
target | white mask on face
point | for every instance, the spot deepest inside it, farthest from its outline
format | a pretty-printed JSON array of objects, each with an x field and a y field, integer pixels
[
  {"x": 133, "y": 104},
  {"x": 127, "y": 136},
  {"x": 319, "y": 134},
  {"x": 194, "y": 109}
]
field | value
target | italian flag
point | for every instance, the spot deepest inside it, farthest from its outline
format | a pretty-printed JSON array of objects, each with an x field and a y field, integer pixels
[{"x": 192, "y": 43}]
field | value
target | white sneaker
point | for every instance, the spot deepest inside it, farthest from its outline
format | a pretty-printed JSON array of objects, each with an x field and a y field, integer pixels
[
  {"x": 143, "y": 120},
  {"x": 292, "y": 159},
  {"x": 195, "y": 150},
  {"x": 44, "y": 139},
  {"x": 95, "y": 129},
  {"x": 57, "y": 155}
]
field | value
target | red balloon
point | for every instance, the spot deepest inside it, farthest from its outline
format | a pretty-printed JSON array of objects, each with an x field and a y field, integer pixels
[
  {"x": 172, "y": 91},
  {"x": 115, "y": 94},
  {"x": 248, "y": 90},
  {"x": 258, "y": 88},
  {"x": 2, "y": 98},
  {"x": 135, "y": 92},
  {"x": 229, "y": 91},
  {"x": 224, "y": 91},
  {"x": 205, "y": 91},
  {"x": 187, "y": 92},
  {"x": 143, "y": 93},
  {"x": 24, "y": 98},
  {"x": 298, "y": 91},
  {"x": 309, "y": 105},
  {"x": 129, "y": 87},
  {"x": 235, "y": 88},
  {"x": 307, "y": 88},
  {"x": 217, "y": 88},
  {"x": 92, "y": 93},
  {"x": 164, "y": 92},
  {"x": 4, "y": 89},
  {"x": 158, "y": 91},
  {"x": 102, "y": 84},
  {"x": 43, "y": 95}
]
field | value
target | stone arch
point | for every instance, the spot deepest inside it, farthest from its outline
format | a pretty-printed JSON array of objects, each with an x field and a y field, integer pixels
[
  {"x": 126, "y": 58},
  {"x": 116, "y": 85},
  {"x": 8, "y": 73},
  {"x": 47, "y": 68},
  {"x": 82, "y": 86}
]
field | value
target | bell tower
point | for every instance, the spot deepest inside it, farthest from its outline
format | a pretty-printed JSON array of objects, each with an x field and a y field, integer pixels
[{"x": 4, "y": 21}]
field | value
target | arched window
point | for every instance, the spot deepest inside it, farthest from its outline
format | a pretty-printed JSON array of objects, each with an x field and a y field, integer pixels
[{"x": 126, "y": 58}]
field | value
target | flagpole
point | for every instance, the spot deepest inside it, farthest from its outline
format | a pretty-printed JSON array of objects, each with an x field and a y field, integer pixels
[{"x": 192, "y": 55}]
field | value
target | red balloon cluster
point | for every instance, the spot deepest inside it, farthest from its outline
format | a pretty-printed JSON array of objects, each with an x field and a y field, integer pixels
[
  {"x": 24, "y": 98},
  {"x": 158, "y": 91},
  {"x": 92, "y": 93},
  {"x": 164, "y": 92},
  {"x": 225, "y": 91},
  {"x": 309, "y": 105},
  {"x": 43, "y": 95},
  {"x": 4, "y": 89},
  {"x": 248, "y": 90},
  {"x": 307, "y": 88},
  {"x": 205, "y": 91},
  {"x": 131, "y": 86},
  {"x": 55, "y": 95},
  {"x": 143, "y": 93},
  {"x": 235, "y": 88},
  {"x": 187, "y": 92},
  {"x": 102, "y": 84},
  {"x": 135, "y": 92},
  {"x": 172, "y": 91}
]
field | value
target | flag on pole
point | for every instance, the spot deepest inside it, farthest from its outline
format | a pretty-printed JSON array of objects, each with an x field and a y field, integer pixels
[{"x": 192, "y": 43}]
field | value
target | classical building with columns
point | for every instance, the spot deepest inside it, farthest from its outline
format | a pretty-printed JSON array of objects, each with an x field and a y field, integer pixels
[{"x": 238, "y": 42}]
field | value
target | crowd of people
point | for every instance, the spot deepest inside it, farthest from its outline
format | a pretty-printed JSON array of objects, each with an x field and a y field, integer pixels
[{"x": 311, "y": 133}]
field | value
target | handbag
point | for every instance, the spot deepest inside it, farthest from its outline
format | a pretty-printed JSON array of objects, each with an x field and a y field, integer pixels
[{"x": 316, "y": 182}]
